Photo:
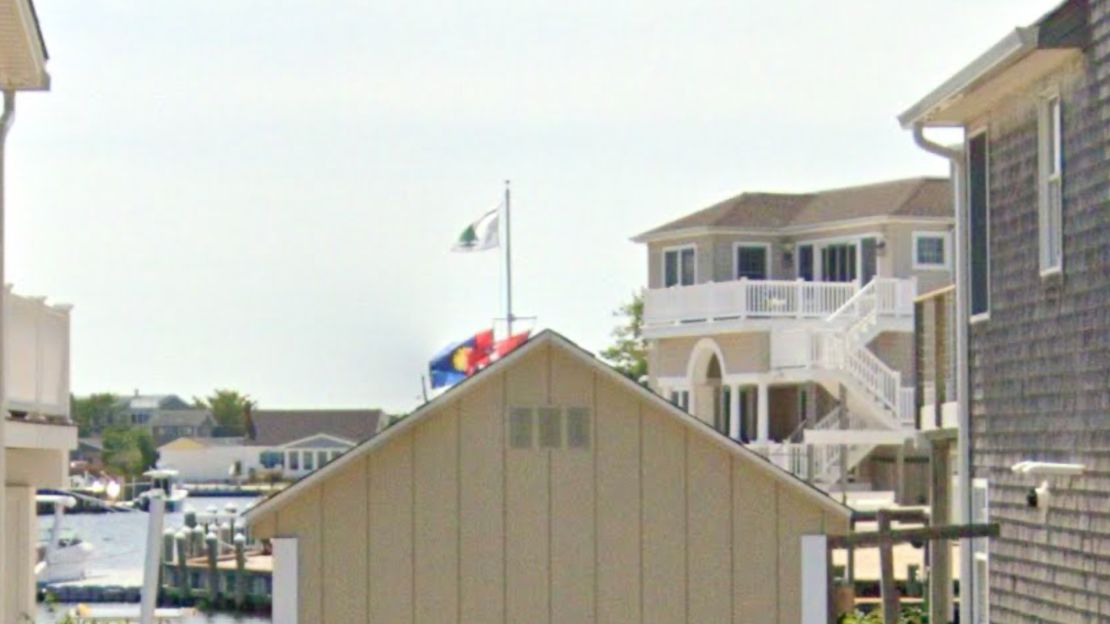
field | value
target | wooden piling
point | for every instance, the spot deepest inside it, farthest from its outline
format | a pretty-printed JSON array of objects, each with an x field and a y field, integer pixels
[
  {"x": 240, "y": 570},
  {"x": 212, "y": 544},
  {"x": 182, "y": 555}
]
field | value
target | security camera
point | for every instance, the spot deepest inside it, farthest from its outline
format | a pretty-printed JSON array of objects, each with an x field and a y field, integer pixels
[{"x": 1039, "y": 497}]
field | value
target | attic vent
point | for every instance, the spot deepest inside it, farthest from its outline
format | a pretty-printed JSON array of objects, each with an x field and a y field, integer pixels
[
  {"x": 520, "y": 428},
  {"x": 578, "y": 427},
  {"x": 551, "y": 427}
]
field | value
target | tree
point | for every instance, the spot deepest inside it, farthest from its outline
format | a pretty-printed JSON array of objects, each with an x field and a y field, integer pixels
[
  {"x": 129, "y": 452},
  {"x": 95, "y": 412},
  {"x": 229, "y": 408},
  {"x": 628, "y": 354}
]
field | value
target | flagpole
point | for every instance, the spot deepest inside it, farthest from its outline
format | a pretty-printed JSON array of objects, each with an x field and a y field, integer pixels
[{"x": 508, "y": 267}]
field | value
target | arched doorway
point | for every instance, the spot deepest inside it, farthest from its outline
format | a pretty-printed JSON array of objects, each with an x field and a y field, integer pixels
[{"x": 711, "y": 398}]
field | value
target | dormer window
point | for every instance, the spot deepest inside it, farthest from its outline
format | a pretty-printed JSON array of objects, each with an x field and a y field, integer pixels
[
  {"x": 1050, "y": 185},
  {"x": 678, "y": 266},
  {"x": 751, "y": 260}
]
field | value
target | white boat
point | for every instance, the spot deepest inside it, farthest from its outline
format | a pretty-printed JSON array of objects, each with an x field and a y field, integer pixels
[
  {"x": 165, "y": 481},
  {"x": 62, "y": 554}
]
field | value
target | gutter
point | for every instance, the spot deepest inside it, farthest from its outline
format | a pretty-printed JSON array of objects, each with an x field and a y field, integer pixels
[
  {"x": 963, "y": 400},
  {"x": 7, "y": 118}
]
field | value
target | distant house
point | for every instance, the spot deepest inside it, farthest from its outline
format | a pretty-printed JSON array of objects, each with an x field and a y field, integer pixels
[
  {"x": 295, "y": 442},
  {"x": 140, "y": 409},
  {"x": 168, "y": 425},
  {"x": 549, "y": 488}
]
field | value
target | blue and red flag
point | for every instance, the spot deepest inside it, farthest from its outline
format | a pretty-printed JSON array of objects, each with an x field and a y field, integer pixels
[{"x": 459, "y": 360}]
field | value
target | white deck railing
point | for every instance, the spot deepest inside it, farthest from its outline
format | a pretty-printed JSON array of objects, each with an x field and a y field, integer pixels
[
  {"x": 36, "y": 356},
  {"x": 743, "y": 298}
]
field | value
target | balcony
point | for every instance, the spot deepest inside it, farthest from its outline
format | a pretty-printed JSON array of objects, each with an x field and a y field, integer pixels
[
  {"x": 755, "y": 303},
  {"x": 36, "y": 359},
  {"x": 934, "y": 347}
]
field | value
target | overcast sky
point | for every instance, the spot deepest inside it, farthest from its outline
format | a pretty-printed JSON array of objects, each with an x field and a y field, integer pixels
[{"x": 262, "y": 194}]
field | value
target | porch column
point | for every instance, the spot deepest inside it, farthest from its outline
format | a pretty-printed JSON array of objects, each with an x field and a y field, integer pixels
[
  {"x": 734, "y": 412},
  {"x": 763, "y": 413}
]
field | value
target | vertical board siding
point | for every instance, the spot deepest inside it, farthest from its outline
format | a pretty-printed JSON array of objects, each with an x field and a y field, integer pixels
[
  {"x": 617, "y": 437},
  {"x": 527, "y": 582},
  {"x": 664, "y": 518},
  {"x": 391, "y": 535},
  {"x": 796, "y": 517},
  {"x": 436, "y": 544},
  {"x": 709, "y": 531},
  {"x": 654, "y": 522},
  {"x": 481, "y": 504},
  {"x": 572, "y": 501},
  {"x": 344, "y": 544},
  {"x": 755, "y": 552},
  {"x": 302, "y": 520}
]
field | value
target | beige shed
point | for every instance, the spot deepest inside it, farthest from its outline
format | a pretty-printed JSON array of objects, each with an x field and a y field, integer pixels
[{"x": 547, "y": 488}]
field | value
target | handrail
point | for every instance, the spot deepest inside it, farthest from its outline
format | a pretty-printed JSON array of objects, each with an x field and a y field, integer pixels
[{"x": 852, "y": 301}]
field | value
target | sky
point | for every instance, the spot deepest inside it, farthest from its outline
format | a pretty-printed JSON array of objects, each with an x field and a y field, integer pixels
[{"x": 262, "y": 195}]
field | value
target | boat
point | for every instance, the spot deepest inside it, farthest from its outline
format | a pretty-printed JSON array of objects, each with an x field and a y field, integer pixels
[
  {"x": 165, "y": 481},
  {"x": 62, "y": 554}
]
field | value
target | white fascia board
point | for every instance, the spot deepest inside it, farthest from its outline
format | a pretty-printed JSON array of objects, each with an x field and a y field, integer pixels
[
  {"x": 1002, "y": 54},
  {"x": 790, "y": 230}
]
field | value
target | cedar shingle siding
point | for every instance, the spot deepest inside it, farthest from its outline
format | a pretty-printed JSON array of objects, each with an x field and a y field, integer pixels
[{"x": 1040, "y": 366}]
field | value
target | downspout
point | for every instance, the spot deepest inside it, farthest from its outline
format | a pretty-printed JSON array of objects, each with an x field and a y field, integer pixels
[
  {"x": 6, "y": 120},
  {"x": 963, "y": 400}
]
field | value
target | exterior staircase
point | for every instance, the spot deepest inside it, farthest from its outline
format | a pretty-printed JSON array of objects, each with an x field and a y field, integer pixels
[{"x": 877, "y": 401}]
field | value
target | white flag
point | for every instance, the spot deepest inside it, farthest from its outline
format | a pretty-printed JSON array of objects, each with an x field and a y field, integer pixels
[{"x": 482, "y": 234}]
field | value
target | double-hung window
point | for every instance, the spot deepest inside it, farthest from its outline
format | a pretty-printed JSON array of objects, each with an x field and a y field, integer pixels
[
  {"x": 1050, "y": 185},
  {"x": 930, "y": 251},
  {"x": 751, "y": 261},
  {"x": 678, "y": 266}
]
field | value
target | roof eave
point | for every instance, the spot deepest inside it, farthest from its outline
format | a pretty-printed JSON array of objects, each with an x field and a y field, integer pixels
[
  {"x": 1009, "y": 50},
  {"x": 30, "y": 48}
]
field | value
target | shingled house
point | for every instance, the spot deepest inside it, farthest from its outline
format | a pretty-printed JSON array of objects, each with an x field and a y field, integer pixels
[
  {"x": 1032, "y": 324},
  {"x": 549, "y": 488}
]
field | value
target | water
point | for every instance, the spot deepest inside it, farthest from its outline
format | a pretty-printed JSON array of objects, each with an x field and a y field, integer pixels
[
  {"x": 119, "y": 540},
  {"x": 46, "y": 615}
]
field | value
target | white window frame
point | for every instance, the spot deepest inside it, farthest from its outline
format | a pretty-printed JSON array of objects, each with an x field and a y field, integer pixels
[
  {"x": 678, "y": 249},
  {"x": 1050, "y": 184},
  {"x": 973, "y": 134},
  {"x": 946, "y": 242},
  {"x": 852, "y": 239},
  {"x": 766, "y": 247}
]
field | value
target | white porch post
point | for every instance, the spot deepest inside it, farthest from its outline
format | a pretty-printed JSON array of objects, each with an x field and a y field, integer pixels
[
  {"x": 763, "y": 413},
  {"x": 734, "y": 412}
]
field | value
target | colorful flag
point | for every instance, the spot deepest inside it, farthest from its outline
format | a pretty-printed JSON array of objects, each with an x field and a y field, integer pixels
[
  {"x": 459, "y": 360},
  {"x": 481, "y": 235},
  {"x": 504, "y": 346}
]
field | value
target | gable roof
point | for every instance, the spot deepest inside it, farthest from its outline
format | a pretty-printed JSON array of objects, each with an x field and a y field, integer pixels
[
  {"x": 1023, "y": 57},
  {"x": 911, "y": 197},
  {"x": 278, "y": 427},
  {"x": 546, "y": 337}
]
